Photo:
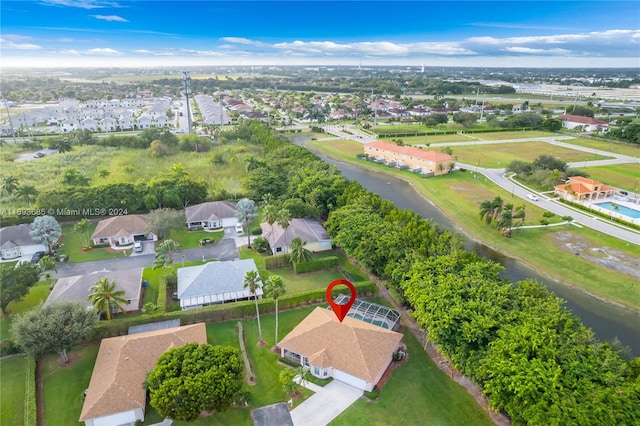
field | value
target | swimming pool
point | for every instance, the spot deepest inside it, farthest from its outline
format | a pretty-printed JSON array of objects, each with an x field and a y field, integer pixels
[{"x": 620, "y": 209}]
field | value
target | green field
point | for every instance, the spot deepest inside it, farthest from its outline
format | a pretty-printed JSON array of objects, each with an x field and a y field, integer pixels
[
  {"x": 499, "y": 155},
  {"x": 460, "y": 195},
  {"x": 623, "y": 176},
  {"x": 609, "y": 146},
  {"x": 128, "y": 166},
  {"x": 12, "y": 390}
]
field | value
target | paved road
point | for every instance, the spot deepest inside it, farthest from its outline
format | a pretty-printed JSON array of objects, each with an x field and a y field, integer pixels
[{"x": 225, "y": 249}]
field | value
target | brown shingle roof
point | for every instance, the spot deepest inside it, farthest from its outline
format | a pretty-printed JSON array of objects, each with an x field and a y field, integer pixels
[
  {"x": 309, "y": 230},
  {"x": 122, "y": 365},
  {"x": 121, "y": 226},
  {"x": 353, "y": 346},
  {"x": 213, "y": 210}
]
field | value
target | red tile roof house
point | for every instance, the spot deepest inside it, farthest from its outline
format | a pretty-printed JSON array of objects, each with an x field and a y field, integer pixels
[
  {"x": 429, "y": 163},
  {"x": 352, "y": 351},
  {"x": 115, "y": 396},
  {"x": 589, "y": 124},
  {"x": 578, "y": 188},
  {"x": 122, "y": 230}
]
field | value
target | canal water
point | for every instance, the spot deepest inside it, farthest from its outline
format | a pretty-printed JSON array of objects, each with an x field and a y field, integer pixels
[{"x": 607, "y": 322}]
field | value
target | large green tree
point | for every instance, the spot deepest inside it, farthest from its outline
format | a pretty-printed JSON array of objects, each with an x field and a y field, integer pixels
[
  {"x": 162, "y": 221},
  {"x": 46, "y": 230},
  {"x": 54, "y": 328},
  {"x": 164, "y": 253},
  {"x": 191, "y": 379},
  {"x": 106, "y": 297},
  {"x": 15, "y": 282}
]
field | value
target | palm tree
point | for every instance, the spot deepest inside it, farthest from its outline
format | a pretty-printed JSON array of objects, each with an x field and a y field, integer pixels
[
  {"x": 497, "y": 205},
  {"x": 105, "y": 297},
  {"x": 28, "y": 193},
  {"x": 103, "y": 173},
  {"x": 63, "y": 145},
  {"x": 520, "y": 215},
  {"x": 9, "y": 184},
  {"x": 283, "y": 219},
  {"x": 164, "y": 254},
  {"x": 253, "y": 163},
  {"x": 297, "y": 251},
  {"x": 270, "y": 215},
  {"x": 303, "y": 373},
  {"x": 274, "y": 287},
  {"x": 486, "y": 211},
  {"x": 505, "y": 224},
  {"x": 252, "y": 282}
]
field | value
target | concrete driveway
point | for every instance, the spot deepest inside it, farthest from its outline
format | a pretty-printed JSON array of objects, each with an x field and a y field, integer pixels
[
  {"x": 325, "y": 405},
  {"x": 224, "y": 249}
]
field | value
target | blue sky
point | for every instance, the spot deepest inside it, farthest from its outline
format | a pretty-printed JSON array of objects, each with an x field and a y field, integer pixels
[{"x": 447, "y": 33}]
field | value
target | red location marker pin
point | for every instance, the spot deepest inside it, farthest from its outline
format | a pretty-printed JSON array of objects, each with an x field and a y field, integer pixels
[{"x": 341, "y": 310}]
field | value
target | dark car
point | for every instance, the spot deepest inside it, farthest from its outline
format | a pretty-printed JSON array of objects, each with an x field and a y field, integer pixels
[{"x": 37, "y": 256}]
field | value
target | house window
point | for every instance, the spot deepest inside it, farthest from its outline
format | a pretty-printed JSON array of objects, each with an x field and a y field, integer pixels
[
  {"x": 316, "y": 371},
  {"x": 278, "y": 249},
  {"x": 325, "y": 373}
]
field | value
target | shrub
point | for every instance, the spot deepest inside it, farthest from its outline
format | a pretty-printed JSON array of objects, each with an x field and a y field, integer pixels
[
  {"x": 316, "y": 265},
  {"x": 8, "y": 347},
  {"x": 261, "y": 245},
  {"x": 149, "y": 307},
  {"x": 162, "y": 294},
  {"x": 256, "y": 230},
  {"x": 172, "y": 279},
  {"x": 30, "y": 410}
]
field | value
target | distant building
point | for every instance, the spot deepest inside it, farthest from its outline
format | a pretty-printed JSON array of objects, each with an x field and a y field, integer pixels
[
  {"x": 589, "y": 124},
  {"x": 430, "y": 163},
  {"x": 578, "y": 188}
]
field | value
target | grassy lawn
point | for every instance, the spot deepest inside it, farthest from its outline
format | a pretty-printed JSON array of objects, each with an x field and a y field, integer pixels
[
  {"x": 64, "y": 386},
  {"x": 12, "y": 390},
  {"x": 459, "y": 195},
  {"x": 73, "y": 246},
  {"x": 298, "y": 283},
  {"x": 500, "y": 155},
  {"x": 190, "y": 239},
  {"x": 610, "y": 146},
  {"x": 37, "y": 294},
  {"x": 511, "y": 135},
  {"x": 153, "y": 277},
  {"x": 432, "y": 399},
  {"x": 623, "y": 176}
]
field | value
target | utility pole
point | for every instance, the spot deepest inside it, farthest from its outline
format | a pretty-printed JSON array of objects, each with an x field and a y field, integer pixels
[
  {"x": 186, "y": 80},
  {"x": 13, "y": 131}
]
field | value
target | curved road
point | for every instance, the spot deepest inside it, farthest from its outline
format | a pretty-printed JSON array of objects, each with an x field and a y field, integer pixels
[{"x": 498, "y": 177}]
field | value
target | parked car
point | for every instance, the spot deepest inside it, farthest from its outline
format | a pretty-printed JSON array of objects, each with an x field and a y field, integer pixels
[
  {"x": 205, "y": 241},
  {"x": 239, "y": 228},
  {"x": 137, "y": 246},
  {"x": 38, "y": 155},
  {"x": 532, "y": 197},
  {"x": 37, "y": 256}
]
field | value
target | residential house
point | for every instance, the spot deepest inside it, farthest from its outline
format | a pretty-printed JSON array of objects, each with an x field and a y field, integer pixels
[
  {"x": 211, "y": 215},
  {"x": 122, "y": 230},
  {"x": 144, "y": 121},
  {"x": 578, "y": 188},
  {"x": 588, "y": 124},
  {"x": 161, "y": 121},
  {"x": 126, "y": 123},
  {"x": 89, "y": 124},
  {"x": 16, "y": 242},
  {"x": 76, "y": 288},
  {"x": 308, "y": 230},
  {"x": 352, "y": 351},
  {"x": 116, "y": 395},
  {"x": 214, "y": 283},
  {"x": 71, "y": 125},
  {"x": 429, "y": 163},
  {"x": 108, "y": 124}
]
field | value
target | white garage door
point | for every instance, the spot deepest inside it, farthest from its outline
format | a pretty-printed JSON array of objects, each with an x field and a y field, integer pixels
[
  {"x": 349, "y": 379},
  {"x": 229, "y": 221}
]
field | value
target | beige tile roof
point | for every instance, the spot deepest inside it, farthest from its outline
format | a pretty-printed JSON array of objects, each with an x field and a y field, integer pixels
[
  {"x": 353, "y": 346},
  {"x": 121, "y": 226},
  {"x": 409, "y": 150},
  {"x": 122, "y": 365}
]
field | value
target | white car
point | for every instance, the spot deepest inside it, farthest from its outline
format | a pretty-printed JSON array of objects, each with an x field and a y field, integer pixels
[
  {"x": 532, "y": 197},
  {"x": 239, "y": 228},
  {"x": 137, "y": 246}
]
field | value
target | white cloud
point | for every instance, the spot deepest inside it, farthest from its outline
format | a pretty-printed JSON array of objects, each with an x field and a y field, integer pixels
[
  {"x": 102, "y": 52},
  {"x": 530, "y": 50},
  {"x": 8, "y": 44},
  {"x": 110, "y": 18},
  {"x": 16, "y": 37},
  {"x": 242, "y": 40},
  {"x": 82, "y": 4}
]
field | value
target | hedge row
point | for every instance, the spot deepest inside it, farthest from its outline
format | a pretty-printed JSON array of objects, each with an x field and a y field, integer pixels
[
  {"x": 316, "y": 265},
  {"x": 30, "y": 409},
  {"x": 226, "y": 312},
  {"x": 391, "y": 134},
  {"x": 243, "y": 350},
  {"x": 162, "y": 294},
  {"x": 276, "y": 262}
]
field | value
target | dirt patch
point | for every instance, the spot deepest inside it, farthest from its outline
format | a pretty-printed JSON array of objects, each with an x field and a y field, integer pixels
[
  {"x": 612, "y": 259},
  {"x": 72, "y": 358}
]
